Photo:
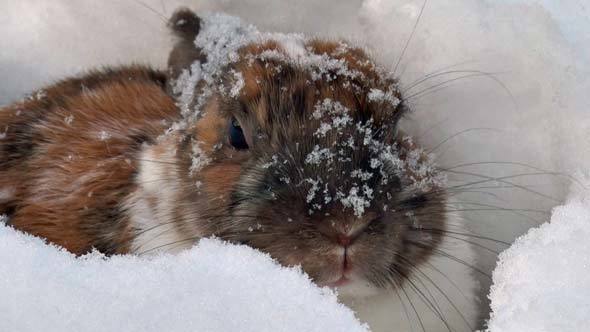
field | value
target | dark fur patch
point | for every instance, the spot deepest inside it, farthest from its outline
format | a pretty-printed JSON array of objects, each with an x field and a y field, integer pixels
[{"x": 185, "y": 23}]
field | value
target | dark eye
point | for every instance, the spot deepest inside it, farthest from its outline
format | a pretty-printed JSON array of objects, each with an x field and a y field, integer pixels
[
  {"x": 416, "y": 201},
  {"x": 236, "y": 135}
]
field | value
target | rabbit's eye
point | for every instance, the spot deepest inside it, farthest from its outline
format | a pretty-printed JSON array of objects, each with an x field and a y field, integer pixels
[{"x": 236, "y": 135}]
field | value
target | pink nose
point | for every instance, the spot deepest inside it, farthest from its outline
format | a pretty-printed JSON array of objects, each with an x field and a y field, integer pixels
[
  {"x": 343, "y": 239},
  {"x": 337, "y": 237}
]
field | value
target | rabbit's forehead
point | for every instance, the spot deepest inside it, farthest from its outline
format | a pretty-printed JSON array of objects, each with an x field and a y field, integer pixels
[
  {"x": 274, "y": 88},
  {"x": 277, "y": 79},
  {"x": 316, "y": 62}
]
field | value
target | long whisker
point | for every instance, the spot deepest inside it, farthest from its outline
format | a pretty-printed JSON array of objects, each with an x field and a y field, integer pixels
[
  {"x": 514, "y": 211},
  {"x": 439, "y": 85},
  {"x": 431, "y": 303},
  {"x": 475, "y": 73},
  {"x": 454, "y": 258},
  {"x": 414, "y": 309},
  {"x": 160, "y": 15},
  {"x": 503, "y": 180},
  {"x": 449, "y": 72},
  {"x": 450, "y": 280},
  {"x": 473, "y": 243},
  {"x": 443, "y": 69},
  {"x": 476, "y": 236},
  {"x": 495, "y": 196},
  {"x": 424, "y": 275},
  {"x": 169, "y": 244},
  {"x": 453, "y": 305},
  {"x": 459, "y": 134},
  {"x": 427, "y": 130},
  {"x": 410, "y": 38},
  {"x": 403, "y": 306},
  {"x": 513, "y": 163},
  {"x": 495, "y": 179}
]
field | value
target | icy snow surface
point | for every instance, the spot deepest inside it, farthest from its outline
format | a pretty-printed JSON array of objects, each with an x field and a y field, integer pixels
[
  {"x": 212, "y": 287},
  {"x": 542, "y": 283}
]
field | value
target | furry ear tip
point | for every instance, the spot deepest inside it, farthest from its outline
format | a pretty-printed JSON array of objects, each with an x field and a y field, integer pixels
[{"x": 185, "y": 23}]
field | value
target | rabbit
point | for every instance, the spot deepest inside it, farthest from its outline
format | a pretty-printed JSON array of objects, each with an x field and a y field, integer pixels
[{"x": 284, "y": 143}]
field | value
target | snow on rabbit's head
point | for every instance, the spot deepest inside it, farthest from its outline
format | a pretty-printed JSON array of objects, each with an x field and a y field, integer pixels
[{"x": 296, "y": 151}]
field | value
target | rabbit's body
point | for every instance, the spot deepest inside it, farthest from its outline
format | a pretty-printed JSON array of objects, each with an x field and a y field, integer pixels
[
  {"x": 287, "y": 144},
  {"x": 69, "y": 156}
]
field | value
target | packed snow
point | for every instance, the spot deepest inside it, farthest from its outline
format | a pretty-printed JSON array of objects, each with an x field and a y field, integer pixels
[
  {"x": 212, "y": 287},
  {"x": 542, "y": 283}
]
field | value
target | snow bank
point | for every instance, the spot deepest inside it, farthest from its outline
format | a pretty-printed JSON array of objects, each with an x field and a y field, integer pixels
[
  {"x": 542, "y": 282},
  {"x": 212, "y": 287}
]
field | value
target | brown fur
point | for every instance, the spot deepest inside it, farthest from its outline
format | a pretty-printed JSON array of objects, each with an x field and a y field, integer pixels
[
  {"x": 243, "y": 201},
  {"x": 68, "y": 183}
]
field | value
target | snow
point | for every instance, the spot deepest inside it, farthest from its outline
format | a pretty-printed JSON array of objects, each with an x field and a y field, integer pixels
[
  {"x": 357, "y": 202},
  {"x": 542, "y": 283},
  {"x": 220, "y": 37},
  {"x": 318, "y": 155},
  {"x": 103, "y": 135},
  {"x": 336, "y": 114},
  {"x": 383, "y": 96},
  {"x": 212, "y": 287},
  {"x": 199, "y": 159}
]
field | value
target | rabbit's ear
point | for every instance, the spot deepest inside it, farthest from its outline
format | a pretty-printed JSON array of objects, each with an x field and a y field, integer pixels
[{"x": 185, "y": 24}]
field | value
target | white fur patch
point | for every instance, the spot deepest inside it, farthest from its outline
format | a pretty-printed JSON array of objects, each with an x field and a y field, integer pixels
[
  {"x": 6, "y": 193},
  {"x": 152, "y": 207}
]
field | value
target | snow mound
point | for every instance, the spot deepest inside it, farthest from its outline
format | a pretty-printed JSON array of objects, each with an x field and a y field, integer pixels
[
  {"x": 542, "y": 282},
  {"x": 212, "y": 287}
]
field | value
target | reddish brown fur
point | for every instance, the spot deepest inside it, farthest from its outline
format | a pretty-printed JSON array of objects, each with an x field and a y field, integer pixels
[
  {"x": 69, "y": 183},
  {"x": 257, "y": 72}
]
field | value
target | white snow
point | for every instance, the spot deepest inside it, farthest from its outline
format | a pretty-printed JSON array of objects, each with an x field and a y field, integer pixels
[
  {"x": 335, "y": 114},
  {"x": 199, "y": 159},
  {"x": 318, "y": 155},
  {"x": 542, "y": 283},
  {"x": 103, "y": 135},
  {"x": 212, "y": 287},
  {"x": 383, "y": 96},
  {"x": 357, "y": 202},
  {"x": 220, "y": 37}
]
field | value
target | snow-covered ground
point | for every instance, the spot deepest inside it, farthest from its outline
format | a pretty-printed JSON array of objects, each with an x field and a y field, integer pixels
[
  {"x": 208, "y": 288},
  {"x": 515, "y": 103},
  {"x": 542, "y": 282}
]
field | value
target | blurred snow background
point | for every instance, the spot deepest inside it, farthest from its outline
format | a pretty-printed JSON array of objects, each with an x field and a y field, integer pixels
[{"x": 531, "y": 108}]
